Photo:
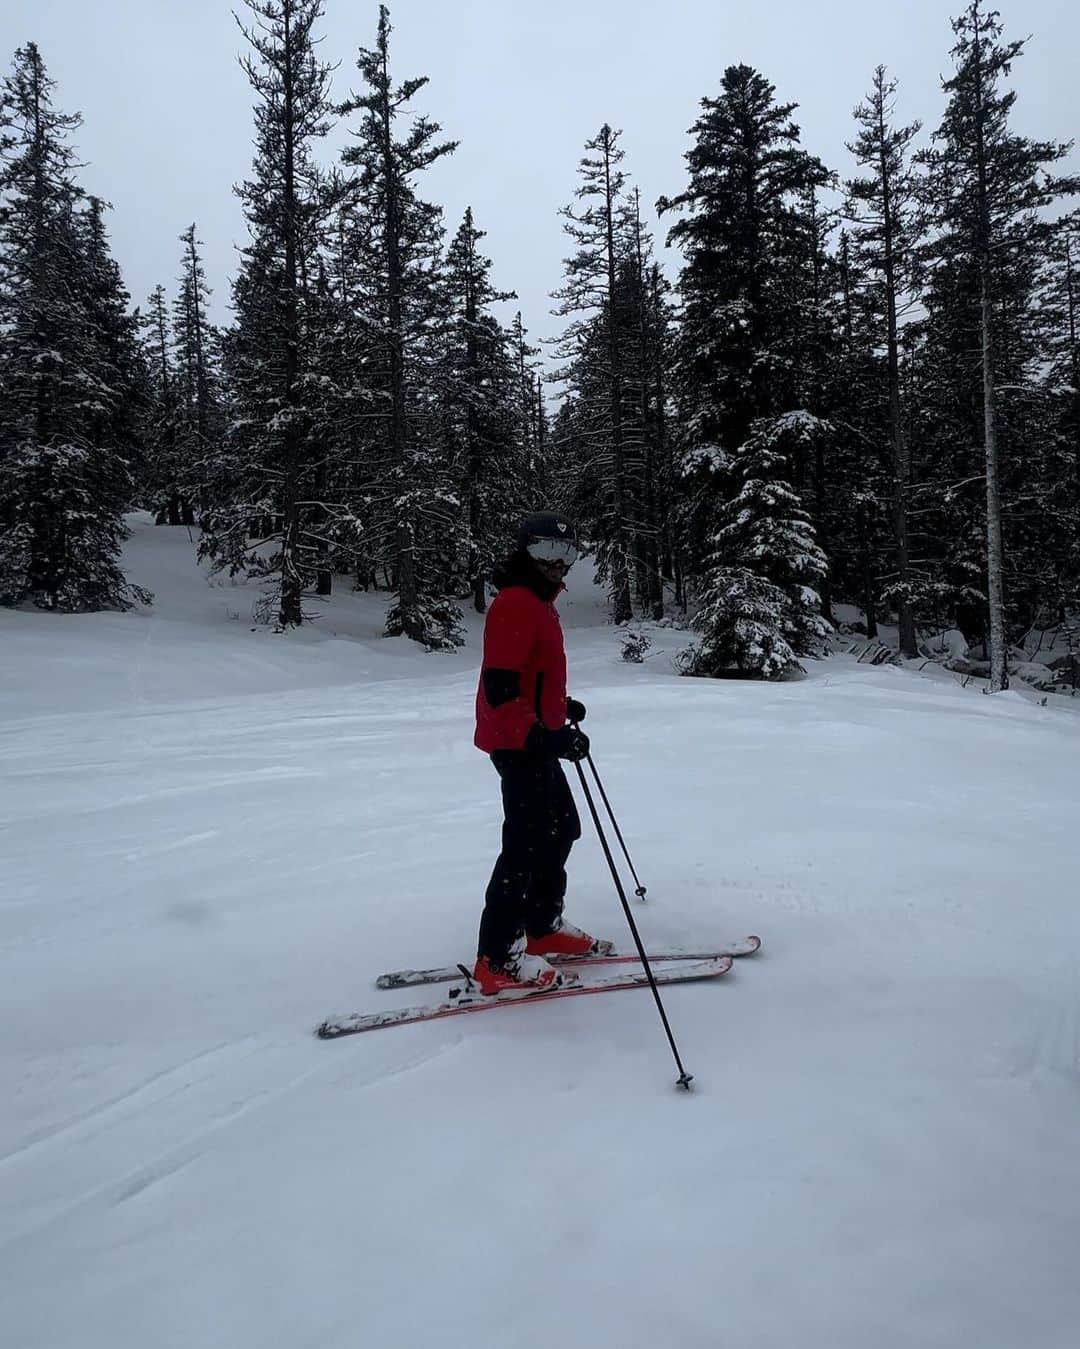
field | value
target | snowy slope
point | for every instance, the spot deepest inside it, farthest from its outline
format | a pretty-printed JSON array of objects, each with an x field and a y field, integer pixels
[{"x": 212, "y": 837}]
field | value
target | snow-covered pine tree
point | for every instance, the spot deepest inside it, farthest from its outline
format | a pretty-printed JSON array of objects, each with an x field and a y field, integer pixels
[
  {"x": 738, "y": 363},
  {"x": 1061, "y": 304},
  {"x": 582, "y": 475},
  {"x": 115, "y": 414},
  {"x": 530, "y": 413},
  {"x": 817, "y": 360},
  {"x": 856, "y": 504},
  {"x": 341, "y": 358},
  {"x": 591, "y": 345},
  {"x": 940, "y": 373},
  {"x": 760, "y": 608},
  {"x": 882, "y": 207},
  {"x": 69, "y": 370},
  {"x": 347, "y": 363},
  {"x": 660, "y": 329},
  {"x": 198, "y": 416},
  {"x": 395, "y": 245},
  {"x": 1057, "y": 500},
  {"x": 988, "y": 190},
  {"x": 263, "y": 510},
  {"x": 484, "y": 407},
  {"x": 164, "y": 480},
  {"x": 740, "y": 236},
  {"x": 643, "y": 316},
  {"x": 578, "y": 478}
]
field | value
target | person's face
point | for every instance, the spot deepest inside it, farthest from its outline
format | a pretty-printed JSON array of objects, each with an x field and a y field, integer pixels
[{"x": 552, "y": 571}]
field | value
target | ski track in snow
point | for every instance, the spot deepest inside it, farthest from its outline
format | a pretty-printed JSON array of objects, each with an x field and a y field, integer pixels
[
  {"x": 213, "y": 1071},
  {"x": 213, "y": 837}
]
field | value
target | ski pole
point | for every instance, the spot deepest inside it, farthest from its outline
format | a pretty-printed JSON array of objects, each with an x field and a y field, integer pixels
[
  {"x": 685, "y": 1078},
  {"x": 640, "y": 891}
]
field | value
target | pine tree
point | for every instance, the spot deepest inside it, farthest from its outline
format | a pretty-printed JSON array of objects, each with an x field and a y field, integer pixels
[
  {"x": 744, "y": 349},
  {"x": 482, "y": 393},
  {"x": 740, "y": 236},
  {"x": 530, "y": 414},
  {"x": 346, "y": 357},
  {"x": 988, "y": 188},
  {"x": 68, "y": 367},
  {"x": 1053, "y": 498},
  {"x": 164, "y": 475},
  {"x": 395, "y": 244},
  {"x": 658, "y": 351},
  {"x": 817, "y": 360},
  {"x": 198, "y": 413},
  {"x": 857, "y": 503},
  {"x": 267, "y": 480},
  {"x": 116, "y": 416},
  {"x": 1062, "y": 306},
  {"x": 593, "y": 338},
  {"x": 883, "y": 210},
  {"x": 760, "y": 607},
  {"x": 643, "y": 316}
]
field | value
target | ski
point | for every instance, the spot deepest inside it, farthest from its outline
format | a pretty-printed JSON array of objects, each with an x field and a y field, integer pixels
[
  {"x": 465, "y": 998},
  {"x": 744, "y": 946}
]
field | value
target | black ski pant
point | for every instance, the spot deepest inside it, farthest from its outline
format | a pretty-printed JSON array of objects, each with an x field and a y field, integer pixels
[{"x": 540, "y": 824}]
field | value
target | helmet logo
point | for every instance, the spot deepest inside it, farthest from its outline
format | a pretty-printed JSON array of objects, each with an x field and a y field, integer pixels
[{"x": 562, "y": 527}]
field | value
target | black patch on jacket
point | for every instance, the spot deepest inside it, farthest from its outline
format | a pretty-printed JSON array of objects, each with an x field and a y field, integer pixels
[{"x": 501, "y": 686}]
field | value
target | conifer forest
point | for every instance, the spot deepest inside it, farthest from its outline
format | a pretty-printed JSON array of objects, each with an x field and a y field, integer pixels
[{"x": 850, "y": 392}]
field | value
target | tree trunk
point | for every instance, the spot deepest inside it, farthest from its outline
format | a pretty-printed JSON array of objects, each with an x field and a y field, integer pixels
[
  {"x": 869, "y": 591},
  {"x": 680, "y": 580}
]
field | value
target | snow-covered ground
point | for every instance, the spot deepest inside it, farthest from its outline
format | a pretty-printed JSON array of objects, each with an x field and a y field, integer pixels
[{"x": 212, "y": 836}]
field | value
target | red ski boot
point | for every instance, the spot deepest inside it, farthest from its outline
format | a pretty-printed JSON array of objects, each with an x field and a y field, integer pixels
[
  {"x": 567, "y": 940},
  {"x": 523, "y": 972}
]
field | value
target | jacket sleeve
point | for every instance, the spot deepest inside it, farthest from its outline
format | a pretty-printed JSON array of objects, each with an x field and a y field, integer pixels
[{"x": 509, "y": 636}]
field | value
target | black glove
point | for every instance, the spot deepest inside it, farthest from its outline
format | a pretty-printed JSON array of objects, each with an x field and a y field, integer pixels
[
  {"x": 575, "y": 711},
  {"x": 565, "y": 743}
]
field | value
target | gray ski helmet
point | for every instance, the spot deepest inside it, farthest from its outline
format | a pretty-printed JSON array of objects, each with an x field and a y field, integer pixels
[{"x": 548, "y": 537}]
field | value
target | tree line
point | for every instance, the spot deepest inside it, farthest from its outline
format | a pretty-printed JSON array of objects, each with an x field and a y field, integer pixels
[{"x": 862, "y": 391}]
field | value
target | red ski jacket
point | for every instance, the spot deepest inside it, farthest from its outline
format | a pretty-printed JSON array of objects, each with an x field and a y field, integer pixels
[{"x": 523, "y": 675}]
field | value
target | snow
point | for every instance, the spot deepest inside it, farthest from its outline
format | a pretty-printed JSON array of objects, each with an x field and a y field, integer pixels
[
  {"x": 213, "y": 837},
  {"x": 801, "y": 421},
  {"x": 951, "y": 643}
]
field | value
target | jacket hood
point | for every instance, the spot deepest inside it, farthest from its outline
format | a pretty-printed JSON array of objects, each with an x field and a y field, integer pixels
[{"x": 519, "y": 570}]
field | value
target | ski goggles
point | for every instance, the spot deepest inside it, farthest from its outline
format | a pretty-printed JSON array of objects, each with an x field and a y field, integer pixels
[{"x": 553, "y": 550}]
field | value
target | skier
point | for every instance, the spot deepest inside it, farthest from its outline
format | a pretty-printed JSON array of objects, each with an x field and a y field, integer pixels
[{"x": 521, "y": 722}]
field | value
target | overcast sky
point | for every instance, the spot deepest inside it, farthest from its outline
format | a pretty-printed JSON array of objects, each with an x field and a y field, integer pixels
[{"x": 522, "y": 84}]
